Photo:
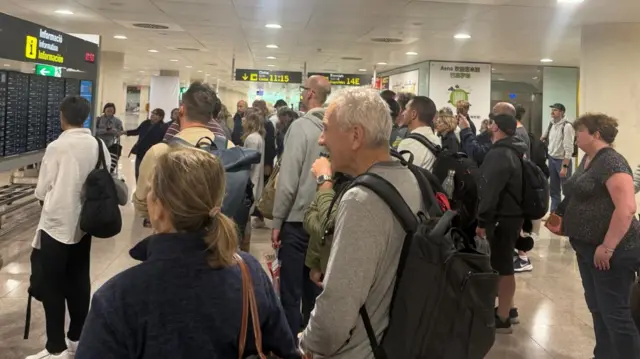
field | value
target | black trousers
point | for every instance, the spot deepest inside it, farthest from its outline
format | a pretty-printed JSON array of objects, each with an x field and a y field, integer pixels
[{"x": 65, "y": 278}]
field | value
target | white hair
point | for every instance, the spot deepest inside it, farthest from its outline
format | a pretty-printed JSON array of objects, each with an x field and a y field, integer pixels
[{"x": 365, "y": 107}]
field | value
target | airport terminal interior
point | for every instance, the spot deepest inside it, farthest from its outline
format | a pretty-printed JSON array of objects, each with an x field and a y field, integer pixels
[{"x": 142, "y": 55}]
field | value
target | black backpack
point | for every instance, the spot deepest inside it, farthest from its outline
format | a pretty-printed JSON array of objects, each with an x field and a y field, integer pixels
[
  {"x": 465, "y": 194},
  {"x": 539, "y": 153},
  {"x": 535, "y": 189},
  {"x": 443, "y": 301},
  {"x": 100, "y": 215}
]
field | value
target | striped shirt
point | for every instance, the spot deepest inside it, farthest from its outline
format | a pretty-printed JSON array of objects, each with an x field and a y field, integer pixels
[{"x": 212, "y": 126}]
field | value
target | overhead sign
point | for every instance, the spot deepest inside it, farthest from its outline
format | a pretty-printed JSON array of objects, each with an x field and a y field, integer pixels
[
  {"x": 48, "y": 70},
  {"x": 25, "y": 41},
  {"x": 285, "y": 77},
  {"x": 344, "y": 79}
]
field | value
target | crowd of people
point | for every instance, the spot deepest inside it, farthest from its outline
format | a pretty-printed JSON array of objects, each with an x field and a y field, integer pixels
[{"x": 338, "y": 245}]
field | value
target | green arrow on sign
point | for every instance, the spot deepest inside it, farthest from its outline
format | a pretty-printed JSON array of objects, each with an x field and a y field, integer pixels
[{"x": 48, "y": 70}]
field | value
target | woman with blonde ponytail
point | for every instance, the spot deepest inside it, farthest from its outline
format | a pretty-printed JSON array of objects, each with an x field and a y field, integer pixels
[{"x": 186, "y": 299}]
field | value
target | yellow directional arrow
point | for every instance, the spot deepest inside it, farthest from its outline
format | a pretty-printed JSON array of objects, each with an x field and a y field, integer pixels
[{"x": 245, "y": 77}]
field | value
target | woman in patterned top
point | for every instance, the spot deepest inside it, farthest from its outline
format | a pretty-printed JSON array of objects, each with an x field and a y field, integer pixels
[{"x": 600, "y": 222}]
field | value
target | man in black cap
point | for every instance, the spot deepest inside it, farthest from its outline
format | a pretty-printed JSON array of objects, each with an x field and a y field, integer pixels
[
  {"x": 560, "y": 139},
  {"x": 500, "y": 215}
]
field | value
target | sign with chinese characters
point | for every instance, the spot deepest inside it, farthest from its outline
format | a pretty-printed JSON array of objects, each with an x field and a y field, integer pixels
[
  {"x": 450, "y": 82},
  {"x": 285, "y": 77},
  {"x": 344, "y": 79}
]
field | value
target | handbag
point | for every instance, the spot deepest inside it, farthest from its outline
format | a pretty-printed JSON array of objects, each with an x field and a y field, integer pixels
[
  {"x": 268, "y": 197},
  {"x": 554, "y": 224},
  {"x": 249, "y": 306}
]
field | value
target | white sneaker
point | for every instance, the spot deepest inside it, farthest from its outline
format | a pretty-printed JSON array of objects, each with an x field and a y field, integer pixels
[
  {"x": 46, "y": 355},
  {"x": 72, "y": 347}
]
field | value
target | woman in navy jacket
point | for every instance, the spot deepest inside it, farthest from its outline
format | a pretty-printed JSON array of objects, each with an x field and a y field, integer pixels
[{"x": 185, "y": 299}]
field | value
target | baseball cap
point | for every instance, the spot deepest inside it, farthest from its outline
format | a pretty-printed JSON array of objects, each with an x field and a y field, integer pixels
[
  {"x": 559, "y": 106},
  {"x": 506, "y": 123}
]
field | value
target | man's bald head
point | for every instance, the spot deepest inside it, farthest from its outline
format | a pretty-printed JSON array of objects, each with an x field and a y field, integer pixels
[
  {"x": 504, "y": 108},
  {"x": 321, "y": 88}
]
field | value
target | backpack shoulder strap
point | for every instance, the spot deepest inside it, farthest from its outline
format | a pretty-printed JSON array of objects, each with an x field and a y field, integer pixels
[
  {"x": 318, "y": 114},
  {"x": 428, "y": 197},
  {"x": 390, "y": 195},
  {"x": 220, "y": 142},
  {"x": 435, "y": 149},
  {"x": 101, "y": 161},
  {"x": 177, "y": 141}
]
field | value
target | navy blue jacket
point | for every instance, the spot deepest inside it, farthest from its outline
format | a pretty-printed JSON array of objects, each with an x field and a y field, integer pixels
[
  {"x": 174, "y": 305},
  {"x": 476, "y": 147},
  {"x": 149, "y": 134}
]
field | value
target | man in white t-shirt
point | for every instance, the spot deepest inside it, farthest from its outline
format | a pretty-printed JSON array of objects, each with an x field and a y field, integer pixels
[{"x": 419, "y": 117}]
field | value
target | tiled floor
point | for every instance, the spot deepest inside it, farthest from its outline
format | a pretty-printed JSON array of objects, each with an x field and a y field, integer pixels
[{"x": 555, "y": 320}]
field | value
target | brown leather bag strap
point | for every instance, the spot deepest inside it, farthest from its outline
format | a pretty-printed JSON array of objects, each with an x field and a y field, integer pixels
[{"x": 249, "y": 303}]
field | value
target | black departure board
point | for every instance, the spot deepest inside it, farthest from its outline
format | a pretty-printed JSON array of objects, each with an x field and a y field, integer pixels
[
  {"x": 3, "y": 108},
  {"x": 55, "y": 95},
  {"x": 37, "y": 113},
  {"x": 17, "y": 110},
  {"x": 284, "y": 77},
  {"x": 337, "y": 79}
]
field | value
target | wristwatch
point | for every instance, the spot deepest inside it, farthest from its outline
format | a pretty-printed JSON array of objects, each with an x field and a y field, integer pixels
[{"x": 322, "y": 179}]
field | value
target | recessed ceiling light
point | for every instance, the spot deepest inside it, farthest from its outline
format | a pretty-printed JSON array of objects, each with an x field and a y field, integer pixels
[
  {"x": 206, "y": 74},
  {"x": 501, "y": 79},
  {"x": 6, "y": 65},
  {"x": 125, "y": 68},
  {"x": 153, "y": 50},
  {"x": 273, "y": 26},
  {"x": 462, "y": 36},
  {"x": 64, "y": 12},
  {"x": 272, "y": 46},
  {"x": 492, "y": 69},
  {"x": 271, "y": 65},
  {"x": 271, "y": 57},
  {"x": 141, "y": 71},
  {"x": 120, "y": 37},
  {"x": 362, "y": 70},
  {"x": 535, "y": 78},
  {"x": 173, "y": 60},
  {"x": 411, "y": 53},
  {"x": 189, "y": 66},
  {"x": 381, "y": 63},
  {"x": 546, "y": 60},
  {"x": 570, "y": 1},
  {"x": 199, "y": 70}
]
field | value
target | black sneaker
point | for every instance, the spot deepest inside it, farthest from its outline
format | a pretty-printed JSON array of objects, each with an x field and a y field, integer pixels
[
  {"x": 514, "y": 317},
  {"x": 503, "y": 326}
]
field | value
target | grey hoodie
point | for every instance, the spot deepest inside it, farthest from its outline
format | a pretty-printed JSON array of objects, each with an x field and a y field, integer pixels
[{"x": 296, "y": 186}]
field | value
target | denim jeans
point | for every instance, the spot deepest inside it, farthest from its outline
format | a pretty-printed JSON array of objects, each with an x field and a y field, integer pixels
[
  {"x": 607, "y": 294},
  {"x": 295, "y": 284},
  {"x": 556, "y": 182}
]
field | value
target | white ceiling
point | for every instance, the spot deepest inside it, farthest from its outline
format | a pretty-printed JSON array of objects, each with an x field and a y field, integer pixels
[{"x": 321, "y": 32}]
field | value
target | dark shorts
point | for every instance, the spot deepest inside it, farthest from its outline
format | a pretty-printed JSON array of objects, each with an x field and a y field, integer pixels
[{"x": 503, "y": 242}]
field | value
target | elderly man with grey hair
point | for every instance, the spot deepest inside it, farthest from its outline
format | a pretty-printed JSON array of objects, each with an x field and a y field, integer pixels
[{"x": 368, "y": 238}]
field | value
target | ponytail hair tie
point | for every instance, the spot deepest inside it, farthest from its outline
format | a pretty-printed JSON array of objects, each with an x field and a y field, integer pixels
[{"x": 213, "y": 213}]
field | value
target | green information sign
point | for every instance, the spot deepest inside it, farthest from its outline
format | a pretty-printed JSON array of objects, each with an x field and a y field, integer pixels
[{"x": 48, "y": 70}]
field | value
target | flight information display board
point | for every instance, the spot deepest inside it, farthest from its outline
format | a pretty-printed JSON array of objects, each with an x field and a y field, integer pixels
[
  {"x": 337, "y": 79},
  {"x": 283, "y": 77}
]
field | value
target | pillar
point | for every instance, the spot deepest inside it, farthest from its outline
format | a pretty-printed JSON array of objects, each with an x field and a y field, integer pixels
[
  {"x": 111, "y": 87},
  {"x": 610, "y": 82},
  {"x": 164, "y": 91}
]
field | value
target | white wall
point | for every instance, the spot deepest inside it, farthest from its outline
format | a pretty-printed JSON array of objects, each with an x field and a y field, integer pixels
[{"x": 230, "y": 98}]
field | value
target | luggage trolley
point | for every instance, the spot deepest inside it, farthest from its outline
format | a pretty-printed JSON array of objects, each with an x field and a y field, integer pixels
[{"x": 115, "y": 151}]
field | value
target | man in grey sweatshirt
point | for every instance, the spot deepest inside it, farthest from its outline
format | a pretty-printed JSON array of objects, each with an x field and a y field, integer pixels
[
  {"x": 295, "y": 189},
  {"x": 368, "y": 238}
]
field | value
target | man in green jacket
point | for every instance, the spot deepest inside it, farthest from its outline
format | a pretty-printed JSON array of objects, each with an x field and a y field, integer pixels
[{"x": 319, "y": 218}]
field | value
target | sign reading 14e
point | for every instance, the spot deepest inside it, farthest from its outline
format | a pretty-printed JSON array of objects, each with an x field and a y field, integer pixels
[
  {"x": 284, "y": 77},
  {"x": 45, "y": 47}
]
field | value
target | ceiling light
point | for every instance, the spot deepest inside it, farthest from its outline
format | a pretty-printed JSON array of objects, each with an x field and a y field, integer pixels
[
  {"x": 570, "y": 1},
  {"x": 501, "y": 79},
  {"x": 272, "y": 46},
  {"x": 271, "y": 65},
  {"x": 546, "y": 60},
  {"x": 189, "y": 66},
  {"x": 173, "y": 60},
  {"x": 411, "y": 53},
  {"x": 362, "y": 70},
  {"x": 199, "y": 70},
  {"x": 141, "y": 71},
  {"x": 6, "y": 65},
  {"x": 535, "y": 78},
  {"x": 153, "y": 50},
  {"x": 271, "y": 57},
  {"x": 381, "y": 63},
  {"x": 206, "y": 74},
  {"x": 462, "y": 36},
  {"x": 64, "y": 12},
  {"x": 273, "y": 26},
  {"x": 125, "y": 68},
  {"x": 120, "y": 37},
  {"x": 492, "y": 69}
]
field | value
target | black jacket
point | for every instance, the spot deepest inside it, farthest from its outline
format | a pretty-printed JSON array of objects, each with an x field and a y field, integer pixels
[
  {"x": 236, "y": 135},
  {"x": 270, "y": 151},
  {"x": 500, "y": 182},
  {"x": 450, "y": 142},
  {"x": 175, "y": 305},
  {"x": 149, "y": 134}
]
